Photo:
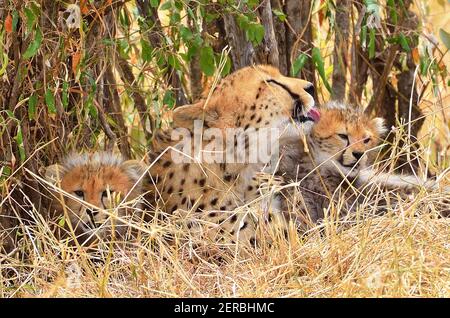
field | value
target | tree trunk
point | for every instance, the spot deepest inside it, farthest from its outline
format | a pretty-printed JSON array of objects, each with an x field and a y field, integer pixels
[
  {"x": 299, "y": 35},
  {"x": 267, "y": 51},
  {"x": 342, "y": 33},
  {"x": 242, "y": 51},
  {"x": 280, "y": 36}
]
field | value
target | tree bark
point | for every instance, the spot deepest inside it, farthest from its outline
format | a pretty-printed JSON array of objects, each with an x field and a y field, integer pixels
[
  {"x": 267, "y": 51},
  {"x": 299, "y": 35},
  {"x": 340, "y": 64},
  {"x": 359, "y": 58},
  {"x": 242, "y": 51},
  {"x": 139, "y": 101},
  {"x": 280, "y": 36}
]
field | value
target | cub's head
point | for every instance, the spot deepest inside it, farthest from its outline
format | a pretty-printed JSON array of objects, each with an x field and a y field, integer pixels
[
  {"x": 345, "y": 134},
  {"x": 255, "y": 97},
  {"x": 93, "y": 187}
]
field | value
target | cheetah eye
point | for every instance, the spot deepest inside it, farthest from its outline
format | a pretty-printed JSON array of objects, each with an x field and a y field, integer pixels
[
  {"x": 105, "y": 193},
  {"x": 79, "y": 193},
  {"x": 343, "y": 136},
  {"x": 366, "y": 141}
]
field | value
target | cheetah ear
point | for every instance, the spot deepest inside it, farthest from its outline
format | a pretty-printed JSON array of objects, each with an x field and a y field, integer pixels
[
  {"x": 54, "y": 173},
  {"x": 184, "y": 116},
  {"x": 379, "y": 125},
  {"x": 134, "y": 169}
]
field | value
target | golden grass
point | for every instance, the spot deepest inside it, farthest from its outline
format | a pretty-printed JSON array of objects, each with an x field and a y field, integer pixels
[{"x": 404, "y": 253}]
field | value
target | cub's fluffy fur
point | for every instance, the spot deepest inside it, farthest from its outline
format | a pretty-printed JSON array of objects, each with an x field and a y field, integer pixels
[
  {"x": 334, "y": 166},
  {"x": 97, "y": 192}
]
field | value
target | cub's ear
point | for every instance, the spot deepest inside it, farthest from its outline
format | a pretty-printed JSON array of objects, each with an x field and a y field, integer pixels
[
  {"x": 54, "y": 173},
  {"x": 184, "y": 116},
  {"x": 379, "y": 124},
  {"x": 134, "y": 169}
]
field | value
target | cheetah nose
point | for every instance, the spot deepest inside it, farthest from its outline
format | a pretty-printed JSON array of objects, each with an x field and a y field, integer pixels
[
  {"x": 357, "y": 154},
  {"x": 310, "y": 90}
]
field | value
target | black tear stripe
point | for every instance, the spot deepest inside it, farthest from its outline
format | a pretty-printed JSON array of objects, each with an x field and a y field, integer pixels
[{"x": 293, "y": 95}]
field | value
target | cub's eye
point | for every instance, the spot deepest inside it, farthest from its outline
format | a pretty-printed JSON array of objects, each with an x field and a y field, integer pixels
[
  {"x": 343, "y": 136},
  {"x": 79, "y": 193},
  {"x": 105, "y": 193},
  {"x": 366, "y": 140}
]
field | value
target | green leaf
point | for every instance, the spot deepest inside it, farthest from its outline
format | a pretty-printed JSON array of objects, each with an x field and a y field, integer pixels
[
  {"x": 124, "y": 48},
  {"x": 192, "y": 51},
  {"x": 209, "y": 17},
  {"x": 10, "y": 114},
  {"x": 62, "y": 221},
  {"x": 169, "y": 99},
  {"x": 15, "y": 20},
  {"x": 424, "y": 64},
  {"x": 166, "y": 6},
  {"x": 445, "y": 38},
  {"x": 92, "y": 109},
  {"x": 154, "y": 3},
  {"x": 404, "y": 43},
  {"x": 31, "y": 18},
  {"x": 186, "y": 33},
  {"x": 298, "y": 64},
  {"x": 178, "y": 5},
  {"x": 243, "y": 22},
  {"x": 372, "y": 44},
  {"x": 392, "y": 40},
  {"x": 3, "y": 62},
  {"x": 279, "y": 14},
  {"x": 198, "y": 40},
  {"x": 207, "y": 62},
  {"x": 363, "y": 36},
  {"x": 5, "y": 172},
  {"x": 147, "y": 51},
  {"x": 3, "y": 55},
  {"x": 175, "y": 18},
  {"x": 227, "y": 67},
  {"x": 174, "y": 62},
  {"x": 252, "y": 3},
  {"x": 65, "y": 95},
  {"x": 32, "y": 101},
  {"x": 318, "y": 62},
  {"x": 392, "y": 11},
  {"x": 124, "y": 19},
  {"x": 50, "y": 101},
  {"x": 255, "y": 33},
  {"x": 372, "y": 6},
  {"x": 34, "y": 45},
  {"x": 19, "y": 141}
]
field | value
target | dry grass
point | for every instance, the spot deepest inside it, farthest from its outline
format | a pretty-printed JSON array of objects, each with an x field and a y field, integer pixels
[{"x": 404, "y": 253}]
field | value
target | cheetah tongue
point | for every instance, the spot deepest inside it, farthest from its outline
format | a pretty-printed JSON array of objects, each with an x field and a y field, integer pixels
[{"x": 313, "y": 114}]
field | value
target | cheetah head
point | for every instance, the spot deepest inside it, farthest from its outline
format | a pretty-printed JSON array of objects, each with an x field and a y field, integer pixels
[
  {"x": 254, "y": 98},
  {"x": 94, "y": 187},
  {"x": 345, "y": 136}
]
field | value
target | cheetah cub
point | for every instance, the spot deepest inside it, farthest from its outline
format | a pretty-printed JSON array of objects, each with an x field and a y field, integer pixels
[
  {"x": 335, "y": 164},
  {"x": 97, "y": 194}
]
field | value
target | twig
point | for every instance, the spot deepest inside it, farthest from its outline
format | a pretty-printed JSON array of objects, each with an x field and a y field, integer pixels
[{"x": 128, "y": 78}]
